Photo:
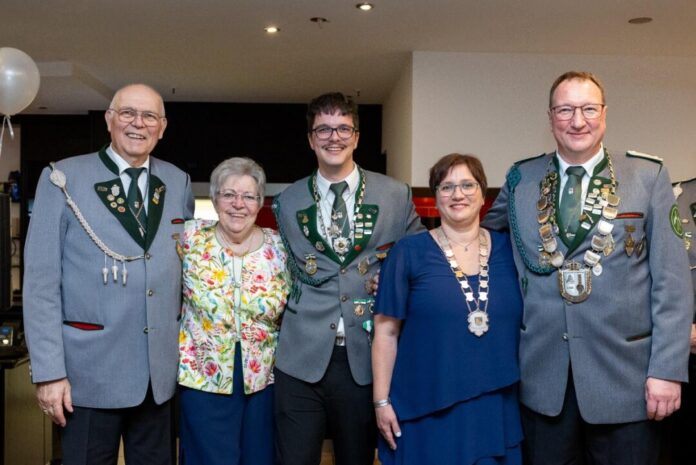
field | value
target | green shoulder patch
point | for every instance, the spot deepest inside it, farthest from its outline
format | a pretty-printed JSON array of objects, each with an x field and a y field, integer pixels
[
  {"x": 675, "y": 221},
  {"x": 645, "y": 156}
]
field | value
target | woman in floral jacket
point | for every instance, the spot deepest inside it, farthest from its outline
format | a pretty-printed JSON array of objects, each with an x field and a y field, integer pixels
[{"x": 235, "y": 289}]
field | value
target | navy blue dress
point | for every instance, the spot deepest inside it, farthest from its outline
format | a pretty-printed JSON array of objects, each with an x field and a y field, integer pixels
[{"x": 454, "y": 393}]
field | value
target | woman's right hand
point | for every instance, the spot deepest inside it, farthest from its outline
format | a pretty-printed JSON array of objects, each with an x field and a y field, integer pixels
[{"x": 388, "y": 425}]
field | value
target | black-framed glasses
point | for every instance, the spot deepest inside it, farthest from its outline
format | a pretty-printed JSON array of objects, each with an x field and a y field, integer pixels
[
  {"x": 128, "y": 115},
  {"x": 566, "y": 112},
  {"x": 448, "y": 189},
  {"x": 249, "y": 200},
  {"x": 343, "y": 131}
]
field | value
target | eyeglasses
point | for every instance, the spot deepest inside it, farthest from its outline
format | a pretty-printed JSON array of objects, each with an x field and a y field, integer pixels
[
  {"x": 467, "y": 188},
  {"x": 566, "y": 112},
  {"x": 249, "y": 200},
  {"x": 128, "y": 115},
  {"x": 325, "y": 132}
]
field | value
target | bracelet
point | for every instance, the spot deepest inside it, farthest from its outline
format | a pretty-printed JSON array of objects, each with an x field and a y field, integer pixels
[{"x": 381, "y": 403}]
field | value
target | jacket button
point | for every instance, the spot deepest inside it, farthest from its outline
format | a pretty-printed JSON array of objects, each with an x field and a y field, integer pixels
[
  {"x": 146, "y": 330},
  {"x": 344, "y": 298},
  {"x": 150, "y": 292},
  {"x": 332, "y": 326},
  {"x": 565, "y": 336},
  {"x": 147, "y": 256},
  {"x": 343, "y": 271}
]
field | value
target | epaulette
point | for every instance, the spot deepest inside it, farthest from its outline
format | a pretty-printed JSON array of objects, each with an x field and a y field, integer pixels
[
  {"x": 645, "y": 156},
  {"x": 529, "y": 159}
]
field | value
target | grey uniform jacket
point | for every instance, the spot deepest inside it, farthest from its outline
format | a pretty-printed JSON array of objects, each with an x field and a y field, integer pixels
[
  {"x": 308, "y": 331},
  {"x": 685, "y": 192},
  {"x": 109, "y": 340},
  {"x": 635, "y": 323}
]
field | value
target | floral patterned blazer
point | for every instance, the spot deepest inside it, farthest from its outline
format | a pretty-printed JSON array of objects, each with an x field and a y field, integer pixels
[{"x": 209, "y": 318}]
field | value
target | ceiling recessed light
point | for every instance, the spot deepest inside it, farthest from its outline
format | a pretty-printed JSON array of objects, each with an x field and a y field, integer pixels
[
  {"x": 640, "y": 20},
  {"x": 271, "y": 29},
  {"x": 319, "y": 20},
  {"x": 364, "y": 6}
]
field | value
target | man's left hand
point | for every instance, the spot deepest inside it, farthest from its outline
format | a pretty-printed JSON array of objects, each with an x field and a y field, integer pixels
[{"x": 663, "y": 397}]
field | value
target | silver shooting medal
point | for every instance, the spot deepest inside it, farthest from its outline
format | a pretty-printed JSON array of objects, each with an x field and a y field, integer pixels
[
  {"x": 310, "y": 264},
  {"x": 575, "y": 282},
  {"x": 478, "y": 322},
  {"x": 341, "y": 245}
]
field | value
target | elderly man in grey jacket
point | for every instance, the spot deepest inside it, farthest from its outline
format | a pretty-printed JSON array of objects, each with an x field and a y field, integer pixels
[{"x": 102, "y": 289}]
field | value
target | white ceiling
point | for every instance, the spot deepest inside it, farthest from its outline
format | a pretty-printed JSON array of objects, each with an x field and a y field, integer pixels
[{"x": 216, "y": 50}]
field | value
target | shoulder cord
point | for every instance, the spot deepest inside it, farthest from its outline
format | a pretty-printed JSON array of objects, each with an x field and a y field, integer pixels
[
  {"x": 513, "y": 178},
  {"x": 298, "y": 276},
  {"x": 57, "y": 177}
]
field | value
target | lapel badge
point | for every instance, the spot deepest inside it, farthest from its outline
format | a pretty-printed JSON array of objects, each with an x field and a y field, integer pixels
[
  {"x": 121, "y": 209},
  {"x": 319, "y": 246},
  {"x": 179, "y": 247},
  {"x": 113, "y": 205},
  {"x": 156, "y": 197},
  {"x": 305, "y": 230},
  {"x": 364, "y": 265},
  {"x": 110, "y": 198},
  {"x": 687, "y": 239},
  {"x": 640, "y": 246},
  {"x": 102, "y": 189},
  {"x": 359, "y": 310},
  {"x": 115, "y": 190},
  {"x": 629, "y": 242},
  {"x": 310, "y": 264},
  {"x": 120, "y": 200}
]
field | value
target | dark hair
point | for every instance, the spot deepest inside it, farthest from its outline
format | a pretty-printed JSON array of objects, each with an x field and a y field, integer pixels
[
  {"x": 443, "y": 166},
  {"x": 329, "y": 104},
  {"x": 579, "y": 75}
]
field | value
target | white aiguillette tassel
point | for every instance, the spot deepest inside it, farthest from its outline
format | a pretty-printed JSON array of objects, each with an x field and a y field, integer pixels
[
  {"x": 105, "y": 270},
  {"x": 124, "y": 273},
  {"x": 114, "y": 270}
]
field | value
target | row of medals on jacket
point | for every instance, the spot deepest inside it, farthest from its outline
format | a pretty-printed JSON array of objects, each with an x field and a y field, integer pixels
[
  {"x": 600, "y": 200},
  {"x": 340, "y": 244}
]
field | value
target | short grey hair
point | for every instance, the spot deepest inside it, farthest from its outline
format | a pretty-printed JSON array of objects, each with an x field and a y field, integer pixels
[
  {"x": 117, "y": 95},
  {"x": 237, "y": 166}
]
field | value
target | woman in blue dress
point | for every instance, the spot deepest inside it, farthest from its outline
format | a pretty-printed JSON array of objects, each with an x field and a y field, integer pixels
[{"x": 447, "y": 320}]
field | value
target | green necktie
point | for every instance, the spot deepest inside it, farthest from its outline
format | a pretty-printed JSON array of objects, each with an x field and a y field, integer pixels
[
  {"x": 135, "y": 199},
  {"x": 571, "y": 201},
  {"x": 339, "y": 214}
]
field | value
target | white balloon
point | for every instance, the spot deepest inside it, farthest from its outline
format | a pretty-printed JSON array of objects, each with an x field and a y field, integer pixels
[{"x": 19, "y": 80}]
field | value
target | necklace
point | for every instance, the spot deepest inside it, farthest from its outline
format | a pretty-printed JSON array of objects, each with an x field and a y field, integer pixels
[
  {"x": 476, "y": 305},
  {"x": 222, "y": 239},
  {"x": 340, "y": 244},
  {"x": 465, "y": 245},
  {"x": 599, "y": 208}
]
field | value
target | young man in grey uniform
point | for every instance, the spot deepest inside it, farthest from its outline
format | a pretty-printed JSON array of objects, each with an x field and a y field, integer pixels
[
  {"x": 102, "y": 289},
  {"x": 607, "y": 296},
  {"x": 337, "y": 225}
]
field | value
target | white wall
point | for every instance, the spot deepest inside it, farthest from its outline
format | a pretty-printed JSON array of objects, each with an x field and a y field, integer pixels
[
  {"x": 397, "y": 123},
  {"x": 494, "y": 105}
]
